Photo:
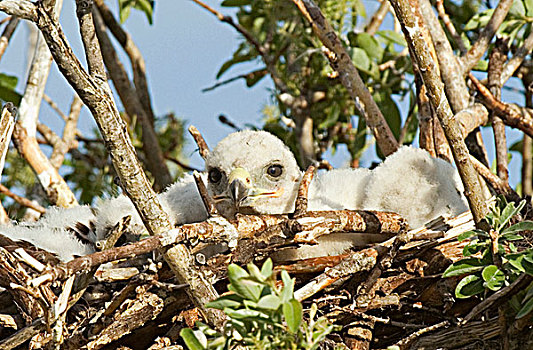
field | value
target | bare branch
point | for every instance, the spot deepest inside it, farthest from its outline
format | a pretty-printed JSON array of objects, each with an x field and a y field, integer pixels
[
  {"x": 199, "y": 139},
  {"x": 377, "y": 18},
  {"x": 154, "y": 155},
  {"x": 511, "y": 114},
  {"x": 439, "y": 4},
  {"x": 341, "y": 62},
  {"x": 7, "y": 33},
  {"x": 514, "y": 63},
  {"x": 22, "y": 201},
  {"x": 497, "y": 58},
  {"x": 20, "y": 8},
  {"x": 477, "y": 50}
]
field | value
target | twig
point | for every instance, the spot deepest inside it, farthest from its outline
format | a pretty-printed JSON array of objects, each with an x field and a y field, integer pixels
[
  {"x": 512, "y": 65},
  {"x": 54, "y": 106},
  {"x": 377, "y": 18},
  {"x": 252, "y": 75},
  {"x": 69, "y": 134},
  {"x": 405, "y": 342},
  {"x": 261, "y": 50},
  {"x": 7, "y": 33},
  {"x": 199, "y": 139},
  {"x": 477, "y": 50},
  {"x": 180, "y": 163},
  {"x": 497, "y": 58},
  {"x": 512, "y": 115},
  {"x": 303, "y": 189},
  {"x": 341, "y": 62},
  {"x": 439, "y": 4},
  {"x": 206, "y": 198},
  {"x": 21, "y": 200},
  {"x": 449, "y": 67},
  {"x": 500, "y": 296},
  {"x": 437, "y": 97},
  {"x": 527, "y": 166},
  {"x": 305, "y": 229},
  {"x": 7, "y": 124}
]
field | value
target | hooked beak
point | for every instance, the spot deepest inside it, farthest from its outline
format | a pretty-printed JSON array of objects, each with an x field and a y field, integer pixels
[{"x": 241, "y": 188}]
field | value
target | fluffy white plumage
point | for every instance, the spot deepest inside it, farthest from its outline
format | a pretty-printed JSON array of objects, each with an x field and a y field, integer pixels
[{"x": 255, "y": 172}]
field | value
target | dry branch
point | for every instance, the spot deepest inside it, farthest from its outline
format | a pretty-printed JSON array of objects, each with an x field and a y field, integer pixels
[
  {"x": 198, "y": 138},
  {"x": 7, "y": 33},
  {"x": 21, "y": 200},
  {"x": 458, "y": 40},
  {"x": 511, "y": 114},
  {"x": 437, "y": 96},
  {"x": 340, "y": 61}
]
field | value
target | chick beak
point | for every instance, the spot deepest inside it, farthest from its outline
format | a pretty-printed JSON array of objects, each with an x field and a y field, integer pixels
[{"x": 239, "y": 185}]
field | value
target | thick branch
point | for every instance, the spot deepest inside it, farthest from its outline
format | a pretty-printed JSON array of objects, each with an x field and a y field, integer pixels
[
  {"x": 512, "y": 65},
  {"x": 341, "y": 62},
  {"x": 437, "y": 97}
]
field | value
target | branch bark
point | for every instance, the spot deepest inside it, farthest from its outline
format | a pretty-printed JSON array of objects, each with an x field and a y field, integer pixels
[
  {"x": 435, "y": 87},
  {"x": 7, "y": 33},
  {"x": 341, "y": 62}
]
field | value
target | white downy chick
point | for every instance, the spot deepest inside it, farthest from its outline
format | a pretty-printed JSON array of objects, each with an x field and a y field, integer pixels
[
  {"x": 57, "y": 232},
  {"x": 415, "y": 185}
]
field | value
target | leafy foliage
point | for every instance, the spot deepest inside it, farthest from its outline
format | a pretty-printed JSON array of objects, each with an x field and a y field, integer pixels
[
  {"x": 260, "y": 315},
  {"x": 492, "y": 259},
  {"x": 146, "y": 6},
  {"x": 303, "y": 71}
]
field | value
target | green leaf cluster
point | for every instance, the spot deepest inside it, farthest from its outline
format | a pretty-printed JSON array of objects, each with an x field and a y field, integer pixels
[
  {"x": 486, "y": 269},
  {"x": 261, "y": 314},
  {"x": 302, "y": 70},
  {"x": 145, "y": 6}
]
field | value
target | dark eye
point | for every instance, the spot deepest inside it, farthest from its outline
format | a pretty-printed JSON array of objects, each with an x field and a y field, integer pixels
[
  {"x": 275, "y": 170},
  {"x": 214, "y": 175}
]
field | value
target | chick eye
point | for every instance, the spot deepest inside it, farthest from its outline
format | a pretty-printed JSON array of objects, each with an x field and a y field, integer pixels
[
  {"x": 214, "y": 175},
  {"x": 275, "y": 170}
]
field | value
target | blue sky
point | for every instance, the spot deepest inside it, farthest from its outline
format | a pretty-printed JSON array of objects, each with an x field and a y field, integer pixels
[{"x": 183, "y": 49}]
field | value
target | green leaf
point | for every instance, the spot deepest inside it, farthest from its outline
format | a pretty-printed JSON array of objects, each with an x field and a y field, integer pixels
[
  {"x": 146, "y": 6},
  {"x": 471, "y": 233},
  {"x": 229, "y": 300},
  {"x": 244, "y": 313},
  {"x": 292, "y": 311},
  {"x": 287, "y": 293},
  {"x": 463, "y": 266},
  {"x": 270, "y": 302},
  {"x": 529, "y": 7},
  {"x": 473, "y": 248},
  {"x": 238, "y": 57},
  {"x": 360, "y": 59},
  {"x": 527, "y": 303},
  {"x": 392, "y": 36},
  {"x": 517, "y": 9},
  {"x": 494, "y": 278},
  {"x": 190, "y": 339},
  {"x": 239, "y": 284},
  {"x": 8, "y": 84},
  {"x": 255, "y": 272},
  {"x": 266, "y": 269},
  {"x": 519, "y": 227},
  {"x": 527, "y": 263},
  {"x": 234, "y": 3},
  {"x": 390, "y": 110},
  {"x": 371, "y": 46},
  {"x": 469, "y": 286},
  {"x": 479, "y": 20}
]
